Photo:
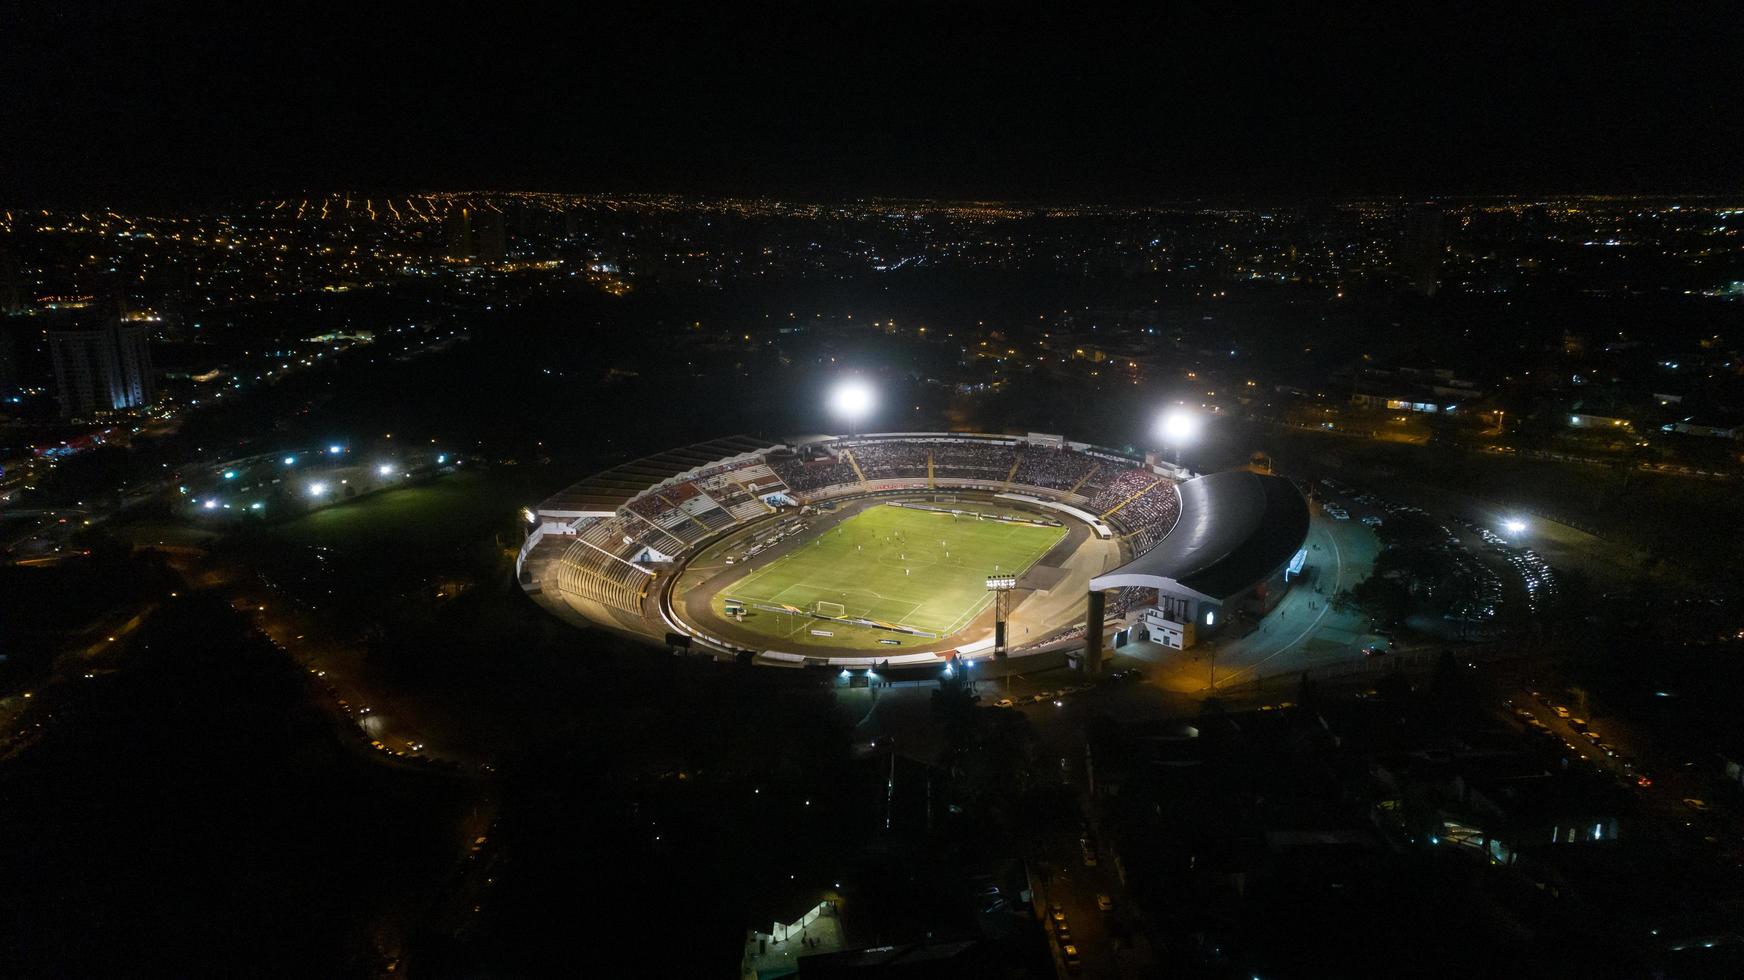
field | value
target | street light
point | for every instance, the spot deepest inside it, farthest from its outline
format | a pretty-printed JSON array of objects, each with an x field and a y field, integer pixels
[
  {"x": 853, "y": 399},
  {"x": 317, "y": 489}
]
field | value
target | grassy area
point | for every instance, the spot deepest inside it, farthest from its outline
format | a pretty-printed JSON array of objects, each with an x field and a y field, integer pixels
[
  {"x": 438, "y": 511},
  {"x": 905, "y": 567}
]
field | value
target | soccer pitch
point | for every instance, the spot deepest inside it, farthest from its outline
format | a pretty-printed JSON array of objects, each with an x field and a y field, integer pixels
[{"x": 898, "y": 565}]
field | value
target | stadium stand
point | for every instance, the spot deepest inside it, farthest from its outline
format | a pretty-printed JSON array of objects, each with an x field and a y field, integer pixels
[
  {"x": 1150, "y": 516},
  {"x": 806, "y": 477},
  {"x": 972, "y": 461},
  {"x": 891, "y": 460},
  {"x": 1052, "y": 469},
  {"x": 594, "y": 566},
  {"x": 1121, "y": 487}
]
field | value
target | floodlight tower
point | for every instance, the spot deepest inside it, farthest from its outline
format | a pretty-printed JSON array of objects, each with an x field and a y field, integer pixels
[
  {"x": 1001, "y": 587},
  {"x": 853, "y": 399},
  {"x": 1179, "y": 426}
]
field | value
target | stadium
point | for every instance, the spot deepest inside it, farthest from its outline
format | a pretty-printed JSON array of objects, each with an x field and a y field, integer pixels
[{"x": 910, "y": 548}]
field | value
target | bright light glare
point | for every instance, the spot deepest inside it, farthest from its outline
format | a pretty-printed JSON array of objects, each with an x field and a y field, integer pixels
[
  {"x": 1514, "y": 525},
  {"x": 290, "y": 460},
  {"x": 1179, "y": 426},
  {"x": 229, "y": 474},
  {"x": 211, "y": 504},
  {"x": 335, "y": 450},
  {"x": 317, "y": 489},
  {"x": 853, "y": 399},
  {"x": 385, "y": 470}
]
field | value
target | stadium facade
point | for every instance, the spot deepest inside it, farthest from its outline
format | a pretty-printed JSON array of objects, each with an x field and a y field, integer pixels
[{"x": 1156, "y": 551}]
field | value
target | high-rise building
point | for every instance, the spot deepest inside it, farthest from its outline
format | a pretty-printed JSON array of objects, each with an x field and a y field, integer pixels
[
  {"x": 102, "y": 369},
  {"x": 481, "y": 235},
  {"x": 492, "y": 241},
  {"x": 1423, "y": 248},
  {"x": 457, "y": 228}
]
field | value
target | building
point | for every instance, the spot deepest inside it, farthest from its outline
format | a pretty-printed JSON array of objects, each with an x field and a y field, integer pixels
[
  {"x": 102, "y": 369},
  {"x": 481, "y": 235},
  {"x": 457, "y": 230},
  {"x": 1238, "y": 541},
  {"x": 1423, "y": 248}
]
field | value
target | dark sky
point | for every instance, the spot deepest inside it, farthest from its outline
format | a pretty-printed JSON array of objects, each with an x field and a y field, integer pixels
[{"x": 147, "y": 101}]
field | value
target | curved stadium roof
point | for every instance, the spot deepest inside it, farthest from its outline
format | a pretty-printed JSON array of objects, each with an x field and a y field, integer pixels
[{"x": 1235, "y": 528}]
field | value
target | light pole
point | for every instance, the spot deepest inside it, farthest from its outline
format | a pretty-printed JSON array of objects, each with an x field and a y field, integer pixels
[
  {"x": 1178, "y": 427},
  {"x": 1000, "y": 586},
  {"x": 853, "y": 399}
]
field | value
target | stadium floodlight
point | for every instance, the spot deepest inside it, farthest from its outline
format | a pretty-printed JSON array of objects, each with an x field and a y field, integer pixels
[
  {"x": 317, "y": 489},
  {"x": 1514, "y": 525},
  {"x": 1179, "y": 426},
  {"x": 853, "y": 399}
]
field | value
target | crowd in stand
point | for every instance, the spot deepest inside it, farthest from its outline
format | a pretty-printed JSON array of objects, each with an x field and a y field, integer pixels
[
  {"x": 1151, "y": 516},
  {"x": 1123, "y": 485},
  {"x": 891, "y": 460},
  {"x": 804, "y": 477},
  {"x": 972, "y": 461},
  {"x": 1056, "y": 469}
]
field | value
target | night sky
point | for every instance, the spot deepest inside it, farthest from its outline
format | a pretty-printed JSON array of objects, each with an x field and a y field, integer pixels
[{"x": 184, "y": 102}]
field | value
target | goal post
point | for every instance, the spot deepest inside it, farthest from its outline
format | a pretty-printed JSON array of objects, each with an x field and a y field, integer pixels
[{"x": 832, "y": 610}]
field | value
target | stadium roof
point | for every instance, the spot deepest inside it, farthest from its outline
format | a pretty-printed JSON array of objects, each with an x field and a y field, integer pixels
[
  {"x": 1236, "y": 528},
  {"x": 603, "y": 493}
]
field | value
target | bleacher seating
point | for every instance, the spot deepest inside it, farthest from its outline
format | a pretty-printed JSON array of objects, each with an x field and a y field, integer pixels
[
  {"x": 972, "y": 461},
  {"x": 596, "y": 566},
  {"x": 1151, "y": 516},
  {"x": 1120, "y": 486},
  {"x": 1053, "y": 469},
  {"x": 891, "y": 460},
  {"x": 806, "y": 477}
]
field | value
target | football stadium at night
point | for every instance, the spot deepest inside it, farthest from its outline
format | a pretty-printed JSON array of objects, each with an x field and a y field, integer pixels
[{"x": 910, "y": 548}]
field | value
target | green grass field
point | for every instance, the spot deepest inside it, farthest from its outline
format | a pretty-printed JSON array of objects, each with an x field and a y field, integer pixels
[{"x": 896, "y": 565}]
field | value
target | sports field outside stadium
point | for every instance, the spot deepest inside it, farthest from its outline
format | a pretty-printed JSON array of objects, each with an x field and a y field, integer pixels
[{"x": 921, "y": 570}]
